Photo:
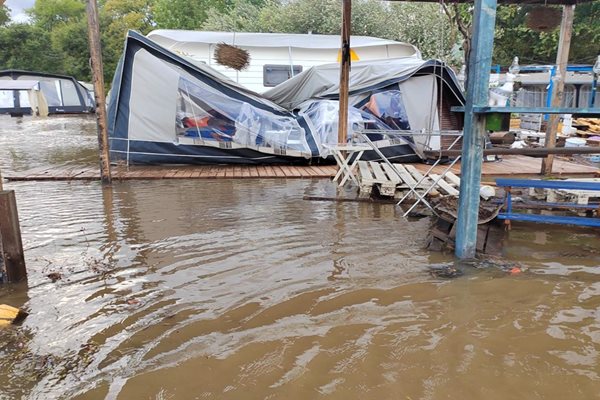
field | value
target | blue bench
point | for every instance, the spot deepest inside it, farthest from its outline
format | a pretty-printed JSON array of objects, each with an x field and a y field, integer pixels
[{"x": 509, "y": 215}]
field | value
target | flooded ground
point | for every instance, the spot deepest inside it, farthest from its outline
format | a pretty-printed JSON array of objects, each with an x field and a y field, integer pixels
[{"x": 239, "y": 289}]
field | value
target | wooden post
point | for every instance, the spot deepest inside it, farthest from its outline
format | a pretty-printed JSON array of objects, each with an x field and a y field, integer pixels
[
  {"x": 344, "y": 71},
  {"x": 480, "y": 62},
  {"x": 562, "y": 59},
  {"x": 12, "y": 259},
  {"x": 98, "y": 76}
]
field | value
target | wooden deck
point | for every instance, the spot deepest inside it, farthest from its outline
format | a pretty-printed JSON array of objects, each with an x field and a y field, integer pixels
[
  {"x": 514, "y": 166},
  {"x": 118, "y": 172},
  {"x": 523, "y": 166}
]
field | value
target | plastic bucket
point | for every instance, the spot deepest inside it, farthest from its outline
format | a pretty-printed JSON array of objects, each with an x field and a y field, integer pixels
[{"x": 575, "y": 142}]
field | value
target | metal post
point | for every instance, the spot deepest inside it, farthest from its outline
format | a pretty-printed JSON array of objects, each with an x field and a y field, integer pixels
[
  {"x": 593, "y": 93},
  {"x": 98, "y": 75},
  {"x": 480, "y": 60},
  {"x": 562, "y": 59},
  {"x": 344, "y": 71}
]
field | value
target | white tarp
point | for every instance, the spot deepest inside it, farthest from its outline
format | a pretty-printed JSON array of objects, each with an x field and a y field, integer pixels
[{"x": 324, "y": 80}]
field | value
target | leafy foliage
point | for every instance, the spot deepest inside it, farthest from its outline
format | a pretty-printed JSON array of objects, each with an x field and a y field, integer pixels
[
  {"x": 56, "y": 38},
  {"x": 48, "y": 13},
  {"x": 4, "y": 15},
  {"x": 28, "y": 47},
  {"x": 420, "y": 24}
]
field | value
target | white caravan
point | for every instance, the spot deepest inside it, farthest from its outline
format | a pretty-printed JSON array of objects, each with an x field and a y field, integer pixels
[{"x": 276, "y": 57}]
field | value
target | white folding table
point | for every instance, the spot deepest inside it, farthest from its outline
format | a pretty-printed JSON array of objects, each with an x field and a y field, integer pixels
[{"x": 343, "y": 154}]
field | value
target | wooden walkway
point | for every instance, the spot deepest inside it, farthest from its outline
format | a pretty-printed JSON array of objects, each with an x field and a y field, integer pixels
[
  {"x": 514, "y": 166},
  {"x": 78, "y": 173}
]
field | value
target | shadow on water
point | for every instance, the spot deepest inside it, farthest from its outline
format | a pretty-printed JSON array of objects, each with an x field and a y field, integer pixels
[{"x": 240, "y": 289}]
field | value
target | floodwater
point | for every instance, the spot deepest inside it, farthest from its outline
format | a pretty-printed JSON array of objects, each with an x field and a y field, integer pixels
[{"x": 239, "y": 289}]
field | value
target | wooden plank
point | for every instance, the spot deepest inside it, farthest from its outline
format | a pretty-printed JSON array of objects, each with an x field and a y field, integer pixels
[
  {"x": 307, "y": 171},
  {"x": 386, "y": 186},
  {"x": 37, "y": 171},
  {"x": 285, "y": 170},
  {"x": 11, "y": 246},
  {"x": 444, "y": 185},
  {"x": 380, "y": 176},
  {"x": 205, "y": 171},
  {"x": 452, "y": 179},
  {"x": 418, "y": 176},
  {"x": 364, "y": 173},
  {"x": 391, "y": 174},
  {"x": 405, "y": 175}
]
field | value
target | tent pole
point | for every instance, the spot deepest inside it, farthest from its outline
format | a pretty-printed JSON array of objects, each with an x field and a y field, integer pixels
[
  {"x": 562, "y": 59},
  {"x": 98, "y": 76},
  {"x": 344, "y": 71},
  {"x": 480, "y": 62}
]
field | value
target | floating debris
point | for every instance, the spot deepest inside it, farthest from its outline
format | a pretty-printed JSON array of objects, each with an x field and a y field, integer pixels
[
  {"x": 446, "y": 271},
  {"x": 11, "y": 315}
]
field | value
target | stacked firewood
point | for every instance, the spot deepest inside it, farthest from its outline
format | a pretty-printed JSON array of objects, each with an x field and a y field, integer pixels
[{"x": 587, "y": 126}]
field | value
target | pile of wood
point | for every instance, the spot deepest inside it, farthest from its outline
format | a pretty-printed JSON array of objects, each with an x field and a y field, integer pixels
[
  {"x": 587, "y": 126},
  {"x": 442, "y": 234}
]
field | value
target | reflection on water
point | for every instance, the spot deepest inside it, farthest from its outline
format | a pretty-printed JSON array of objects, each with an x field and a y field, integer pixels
[{"x": 240, "y": 289}]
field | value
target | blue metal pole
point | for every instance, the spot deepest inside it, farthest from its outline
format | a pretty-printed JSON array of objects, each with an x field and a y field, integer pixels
[
  {"x": 480, "y": 61},
  {"x": 550, "y": 90},
  {"x": 593, "y": 92}
]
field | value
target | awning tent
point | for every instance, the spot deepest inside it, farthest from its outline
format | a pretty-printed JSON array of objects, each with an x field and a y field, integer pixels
[
  {"x": 62, "y": 93},
  {"x": 165, "y": 108},
  {"x": 423, "y": 90},
  {"x": 23, "y": 96}
]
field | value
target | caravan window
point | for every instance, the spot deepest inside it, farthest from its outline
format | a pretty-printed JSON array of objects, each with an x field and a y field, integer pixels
[{"x": 273, "y": 75}]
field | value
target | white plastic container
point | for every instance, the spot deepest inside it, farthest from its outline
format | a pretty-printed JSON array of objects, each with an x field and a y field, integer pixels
[{"x": 575, "y": 142}]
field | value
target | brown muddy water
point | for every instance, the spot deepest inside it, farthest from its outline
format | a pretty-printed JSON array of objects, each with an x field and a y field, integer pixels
[{"x": 239, "y": 289}]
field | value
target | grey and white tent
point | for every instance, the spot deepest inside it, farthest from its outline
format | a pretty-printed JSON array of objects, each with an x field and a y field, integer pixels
[
  {"x": 167, "y": 108},
  {"x": 419, "y": 93}
]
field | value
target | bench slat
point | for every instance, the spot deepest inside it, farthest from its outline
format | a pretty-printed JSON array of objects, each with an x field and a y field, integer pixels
[
  {"x": 444, "y": 185},
  {"x": 379, "y": 174},
  {"x": 551, "y": 219},
  {"x": 538, "y": 183}
]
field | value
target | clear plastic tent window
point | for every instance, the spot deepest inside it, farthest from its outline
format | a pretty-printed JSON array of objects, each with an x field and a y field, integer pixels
[
  {"x": 389, "y": 108},
  {"x": 206, "y": 113}
]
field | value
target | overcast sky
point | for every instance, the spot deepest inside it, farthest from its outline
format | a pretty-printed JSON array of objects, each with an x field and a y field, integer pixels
[{"x": 18, "y": 8}]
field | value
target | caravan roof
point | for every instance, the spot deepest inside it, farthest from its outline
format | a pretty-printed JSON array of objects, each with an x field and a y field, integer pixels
[{"x": 179, "y": 39}]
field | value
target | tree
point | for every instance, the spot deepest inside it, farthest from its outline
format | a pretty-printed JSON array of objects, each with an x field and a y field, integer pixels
[
  {"x": 28, "y": 47},
  {"x": 184, "y": 14},
  {"x": 48, "y": 13},
  {"x": 411, "y": 23},
  {"x": 4, "y": 14},
  {"x": 70, "y": 40},
  {"x": 116, "y": 18}
]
